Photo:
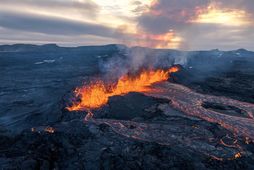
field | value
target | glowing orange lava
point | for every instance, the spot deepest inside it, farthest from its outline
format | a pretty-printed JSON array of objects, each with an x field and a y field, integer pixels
[{"x": 97, "y": 94}]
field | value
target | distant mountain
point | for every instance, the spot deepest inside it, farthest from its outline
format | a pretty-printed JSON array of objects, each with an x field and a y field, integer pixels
[
  {"x": 27, "y": 47},
  {"x": 54, "y": 47},
  {"x": 49, "y": 47}
]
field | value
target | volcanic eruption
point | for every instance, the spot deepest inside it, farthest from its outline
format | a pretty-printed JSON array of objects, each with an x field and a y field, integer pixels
[
  {"x": 97, "y": 93},
  {"x": 132, "y": 85}
]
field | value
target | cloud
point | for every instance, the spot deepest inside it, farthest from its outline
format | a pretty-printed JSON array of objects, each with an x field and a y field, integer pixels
[
  {"x": 247, "y": 5},
  {"x": 86, "y": 7},
  {"x": 43, "y": 19},
  {"x": 163, "y": 24},
  {"x": 139, "y": 7},
  {"x": 177, "y": 16},
  {"x": 169, "y": 17},
  {"x": 212, "y": 36},
  {"x": 9, "y": 36},
  {"x": 164, "y": 15},
  {"x": 52, "y": 25},
  {"x": 169, "y": 14}
]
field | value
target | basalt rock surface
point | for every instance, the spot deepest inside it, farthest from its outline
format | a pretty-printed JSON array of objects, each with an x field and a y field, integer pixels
[{"x": 191, "y": 126}]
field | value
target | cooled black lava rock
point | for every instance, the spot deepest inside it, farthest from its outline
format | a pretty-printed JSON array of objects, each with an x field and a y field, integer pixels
[
  {"x": 130, "y": 106},
  {"x": 226, "y": 109},
  {"x": 235, "y": 81}
]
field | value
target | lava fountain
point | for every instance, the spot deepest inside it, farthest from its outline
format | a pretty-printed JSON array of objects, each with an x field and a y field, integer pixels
[{"x": 97, "y": 94}]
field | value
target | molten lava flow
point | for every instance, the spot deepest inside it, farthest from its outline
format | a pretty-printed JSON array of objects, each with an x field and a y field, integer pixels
[
  {"x": 97, "y": 94},
  {"x": 237, "y": 155},
  {"x": 49, "y": 130}
]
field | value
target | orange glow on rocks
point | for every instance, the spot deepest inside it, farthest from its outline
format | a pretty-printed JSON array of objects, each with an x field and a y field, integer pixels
[
  {"x": 97, "y": 94},
  {"x": 238, "y": 155},
  {"x": 49, "y": 130}
]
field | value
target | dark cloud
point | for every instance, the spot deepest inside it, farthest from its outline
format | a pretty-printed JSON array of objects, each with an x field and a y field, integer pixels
[
  {"x": 158, "y": 24},
  {"x": 169, "y": 14},
  {"x": 51, "y": 25},
  {"x": 247, "y": 5},
  {"x": 175, "y": 14},
  {"x": 165, "y": 15}
]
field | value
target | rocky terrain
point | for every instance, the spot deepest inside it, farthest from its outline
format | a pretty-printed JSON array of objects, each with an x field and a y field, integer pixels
[{"x": 202, "y": 118}]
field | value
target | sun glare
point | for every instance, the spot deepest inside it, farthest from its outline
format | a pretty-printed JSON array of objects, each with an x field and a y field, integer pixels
[{"x": 228, "y": 17}]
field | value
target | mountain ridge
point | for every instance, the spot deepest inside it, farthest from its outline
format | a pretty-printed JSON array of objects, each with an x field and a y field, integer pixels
[{"x": 33, "y": 47}]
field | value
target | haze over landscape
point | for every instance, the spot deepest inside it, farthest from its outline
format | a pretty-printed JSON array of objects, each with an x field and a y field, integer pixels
[{"x": 181, "y": 24}]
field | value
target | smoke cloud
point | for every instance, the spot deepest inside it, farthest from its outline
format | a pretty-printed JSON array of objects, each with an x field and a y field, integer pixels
[{"x": 132, "y": 60}]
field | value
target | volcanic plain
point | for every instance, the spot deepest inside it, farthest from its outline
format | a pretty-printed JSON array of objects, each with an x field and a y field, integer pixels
[{"x": 201, "y": 117}]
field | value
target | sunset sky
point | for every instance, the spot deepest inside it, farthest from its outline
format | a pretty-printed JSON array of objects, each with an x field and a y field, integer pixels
[{"x": 180, "y": 24}]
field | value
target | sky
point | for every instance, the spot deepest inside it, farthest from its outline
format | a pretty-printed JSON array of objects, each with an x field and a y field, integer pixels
[{"x": 175, "y": 24}]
